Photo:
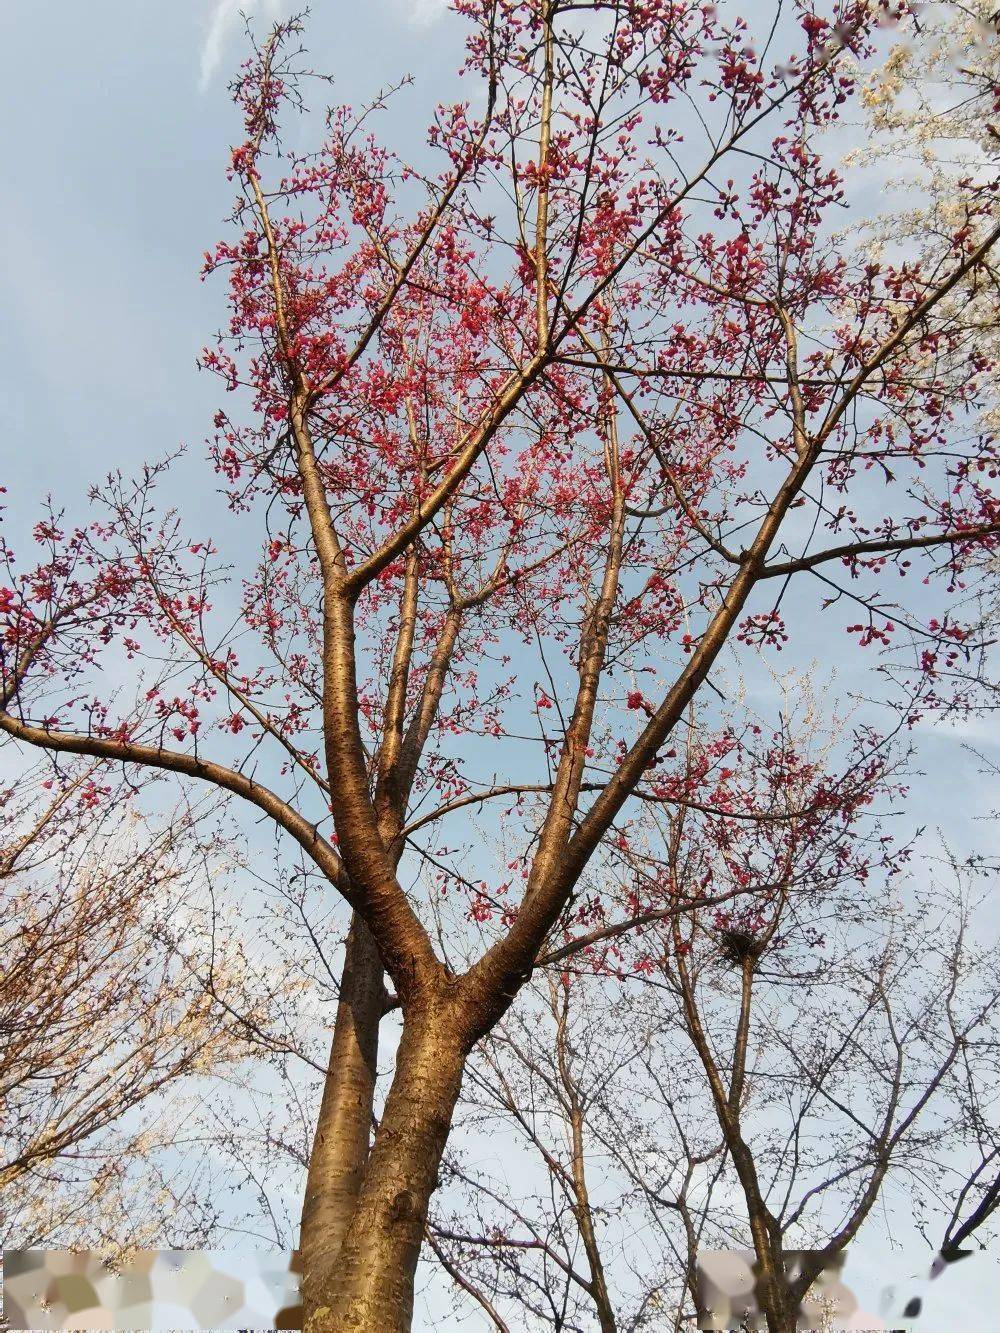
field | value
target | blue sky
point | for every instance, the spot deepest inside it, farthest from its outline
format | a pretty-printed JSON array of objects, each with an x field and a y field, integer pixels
[
  {"x": 117, "y": 132},
  {"x": 118, "y": 127}
]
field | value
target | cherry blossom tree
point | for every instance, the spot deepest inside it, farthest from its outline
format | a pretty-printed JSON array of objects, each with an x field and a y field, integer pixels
[
  {"x": 537, "y": 429},
  {"x": 929, "y": 128}
]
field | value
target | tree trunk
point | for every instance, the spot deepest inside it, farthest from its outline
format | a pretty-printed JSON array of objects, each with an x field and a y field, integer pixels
[
  {"x": 585, "y": 1221},
  {"x": 371, "y": 1289},
  {"x": 774, "y": 1300},
  {"x": 781, "y": 1320},
  {"x": 343, "y": 1131}
]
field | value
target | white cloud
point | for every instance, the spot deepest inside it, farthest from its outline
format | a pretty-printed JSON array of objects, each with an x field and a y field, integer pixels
[
  {"x": 225, "y": 17},
  {"x": 421, "y": 13},
  {"x": 972, "y": 729}
]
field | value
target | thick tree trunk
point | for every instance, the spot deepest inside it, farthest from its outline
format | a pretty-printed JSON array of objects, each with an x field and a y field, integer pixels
[
  {"x": 774, "y": 1299},
  {"x": 343, "y": 1130},
  {"x": 371, "y": 1288},
  {"x": 780, "y": 1320}
]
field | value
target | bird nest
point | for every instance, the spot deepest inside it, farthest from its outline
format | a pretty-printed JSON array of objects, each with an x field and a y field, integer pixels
[{"x": 738, "y": 946}]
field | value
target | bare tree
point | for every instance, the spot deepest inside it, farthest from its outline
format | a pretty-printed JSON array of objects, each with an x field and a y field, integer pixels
[
  {"x": 597, "y": 1194},
  {"x": 757, "y": 1074},
  {"x": 106, "y": 1029}
]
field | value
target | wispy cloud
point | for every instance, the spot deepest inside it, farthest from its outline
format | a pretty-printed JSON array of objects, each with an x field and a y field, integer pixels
[
  {"x": 421, "y": 13},
  {"x": 224, "y": 19},
  {"x": 971, "y": 729}
]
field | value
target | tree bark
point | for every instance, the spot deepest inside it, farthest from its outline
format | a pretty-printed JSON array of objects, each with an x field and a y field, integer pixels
[
  {"x": 585, "y": 1221},
  {"x": 773, "y": 1297},
  {"x": 343, "y": 1131},
  {"x": 371, "y": 1289}
]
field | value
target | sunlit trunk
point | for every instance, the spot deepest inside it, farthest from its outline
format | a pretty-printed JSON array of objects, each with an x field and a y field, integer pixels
[
  {"x": 774, "y": 1299},
  {"x": 343, "y": 1131},
  {"x": 371, "y": 1288}
]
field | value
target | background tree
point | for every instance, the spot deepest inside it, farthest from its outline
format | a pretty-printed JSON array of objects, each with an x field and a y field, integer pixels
[
  {"x": 777, "y": 1066},
  {"x": 597, "y": 1196},
  {"x": 931, "y": 127},
  {"x": 106, "y": 1030},
  {"x": 591, "y": 391},
  {"x": 865, "y": 1057}
]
